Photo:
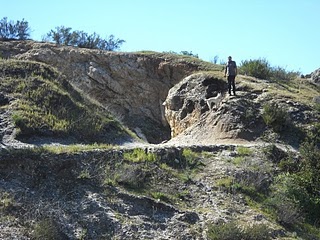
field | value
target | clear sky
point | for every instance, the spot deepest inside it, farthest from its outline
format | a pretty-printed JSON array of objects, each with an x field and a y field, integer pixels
[{"x": 285, "y": 32}]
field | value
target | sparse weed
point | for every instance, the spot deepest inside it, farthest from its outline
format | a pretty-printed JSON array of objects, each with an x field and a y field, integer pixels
[
  {"x": 192, "y": 159},
  {"x": 239, "y": 160},
  {"x": 6, "y": 201},
  {"x": 74, "y": 148},
  {"x": 47, "y": 229},
  {"x": 225, "y": 183},
  {"x": 132, "y": 176},
  {"x": 161, "y": 196},
  {"x": 84, "y": 174}
]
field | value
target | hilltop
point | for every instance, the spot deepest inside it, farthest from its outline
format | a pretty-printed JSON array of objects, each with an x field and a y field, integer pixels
[{"x": 114, "y": 145}]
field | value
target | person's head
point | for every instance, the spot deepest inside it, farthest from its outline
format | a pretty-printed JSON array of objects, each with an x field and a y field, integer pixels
[{"x": 229, "y": 58}]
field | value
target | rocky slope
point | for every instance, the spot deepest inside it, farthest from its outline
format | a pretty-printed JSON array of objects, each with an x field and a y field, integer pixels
[
  {"x": 216, "y": 163},
  {"x": 103, "y": 195}
]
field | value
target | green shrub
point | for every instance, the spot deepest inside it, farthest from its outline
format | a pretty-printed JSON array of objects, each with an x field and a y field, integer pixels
[
  {"x": 226, "y": 183},
  {"x": 257, "y": 232},
  {"x": 294, "y": 194},
  {"x": 254, "y": 184},
  {"x": 65, "y": 36},
  {"x": 275, "y": 117}
]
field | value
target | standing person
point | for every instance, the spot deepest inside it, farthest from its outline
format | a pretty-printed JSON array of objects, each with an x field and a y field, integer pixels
[{"x": 231, "y": 71}]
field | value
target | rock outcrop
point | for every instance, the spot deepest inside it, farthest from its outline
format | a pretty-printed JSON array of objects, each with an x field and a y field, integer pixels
[
  {"x": 132, "y": 86},
  {"x": 186, "y": 101}
]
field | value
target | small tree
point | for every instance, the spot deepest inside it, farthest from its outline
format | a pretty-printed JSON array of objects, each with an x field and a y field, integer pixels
[
  {"x": 62, "y": 35},
  {"x": 22, "y": 30},
  {"x": 111, "y": 43},
  {"x": 10, "y": 30},
  {"x": 187, "y": 53},
  {"x": 215, "y": 59}
]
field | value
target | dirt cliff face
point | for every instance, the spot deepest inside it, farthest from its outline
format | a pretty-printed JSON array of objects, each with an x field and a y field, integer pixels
[{"x": 132, "y": 86}]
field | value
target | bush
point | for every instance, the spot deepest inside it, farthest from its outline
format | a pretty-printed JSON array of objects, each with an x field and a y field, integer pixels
[
  {"x": 261, "y": 68},
  {"x": 286, "y": 198},
  {"x": 282, "y": 74},
  {"x": 275, "y": 117},
  {"x": 309, "y": 176},
  {"x": 295, "y": 194}
]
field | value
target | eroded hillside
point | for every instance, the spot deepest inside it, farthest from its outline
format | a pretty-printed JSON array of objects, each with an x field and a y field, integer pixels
[
  {"x": 132, "y": 86},
  {"x": 244, "y": 167}
]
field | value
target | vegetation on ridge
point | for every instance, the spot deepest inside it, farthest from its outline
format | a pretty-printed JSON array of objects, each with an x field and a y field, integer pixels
[
  {"x": 65, "y": 36},
  {"x": 261, "y": 68}
]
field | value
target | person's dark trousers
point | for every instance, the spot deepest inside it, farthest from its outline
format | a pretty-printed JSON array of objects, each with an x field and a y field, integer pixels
[{"x": 231, "y": 83}]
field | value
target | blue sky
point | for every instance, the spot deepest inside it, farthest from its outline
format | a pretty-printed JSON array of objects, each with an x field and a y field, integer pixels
[{"x": 285, "y": 32}]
